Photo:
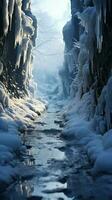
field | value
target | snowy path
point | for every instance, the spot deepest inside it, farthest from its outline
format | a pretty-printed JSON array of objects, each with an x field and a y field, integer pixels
[{"x": 60, "y": 168}]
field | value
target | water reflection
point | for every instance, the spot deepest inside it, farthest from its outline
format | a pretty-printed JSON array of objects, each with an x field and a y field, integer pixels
[{"x": 41, "y": 180}]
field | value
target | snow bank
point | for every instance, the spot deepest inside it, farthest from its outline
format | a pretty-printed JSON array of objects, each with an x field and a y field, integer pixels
[
  {"x": 13, "y": 119},
  {"x": 98, "y": 147},
  {"x": 17, "y": 38}
]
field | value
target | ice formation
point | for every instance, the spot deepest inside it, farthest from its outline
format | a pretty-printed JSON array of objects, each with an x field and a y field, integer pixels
[
  {"x": 19, "y": 33},
  {"x": 17, "y": 37},
  {"x": 85, "y": 80},
  {"x": 89, "y": 112},
  {"x": 5, "y": 17},
  {"x": 11, "y": 10}
]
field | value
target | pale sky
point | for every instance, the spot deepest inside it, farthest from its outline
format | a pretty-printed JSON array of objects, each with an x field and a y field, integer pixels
[
  {"x": 55, "y": 8},
  {"x": 51, "y": 16}
]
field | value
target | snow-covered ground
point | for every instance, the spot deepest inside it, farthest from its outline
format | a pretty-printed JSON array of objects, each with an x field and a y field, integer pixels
[
  {"x": 14, "y": 121},
  {"x": 77, "y": 127}
]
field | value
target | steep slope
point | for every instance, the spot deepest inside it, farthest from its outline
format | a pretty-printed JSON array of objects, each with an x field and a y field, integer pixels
[
  {"x": 18, "y": 30},
  {"x": 87, "y": 63},
  {"x": 88, "y": 66},
  {"x": 17, "y": 36}
]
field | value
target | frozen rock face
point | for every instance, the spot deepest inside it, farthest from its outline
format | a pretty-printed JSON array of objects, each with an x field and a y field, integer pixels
[
  {"x": 88, "y": 58},
  {"x": 17, "y": 37},
  {"x": 70, "y": 35}
]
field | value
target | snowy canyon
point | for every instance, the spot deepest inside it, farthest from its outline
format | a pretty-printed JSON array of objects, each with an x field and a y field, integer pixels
[{"x": 83, "y": 94}]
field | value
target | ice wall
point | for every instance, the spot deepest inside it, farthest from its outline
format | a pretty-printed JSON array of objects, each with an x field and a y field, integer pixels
[
  {"x": 17, "y": 37},
  {"x": 88, "y": 57}
]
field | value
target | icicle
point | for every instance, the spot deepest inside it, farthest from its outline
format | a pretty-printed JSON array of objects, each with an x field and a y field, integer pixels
[
  {"x": 18, "y": 22},
  {"x": 11, "y": 9},
  {"x": 27, "y": 64},
  {"x": 101, "y": 8},
  {"x": 109, "y": 4},
  {"x": 25, "y": 43},
  {"x": 105, "y": 10},
  {"x": 19, "y": 51},
  {"x": 5, "y": 17},
  {"x": 1, "y": 67},
  {"x": 2, "y": 97}
]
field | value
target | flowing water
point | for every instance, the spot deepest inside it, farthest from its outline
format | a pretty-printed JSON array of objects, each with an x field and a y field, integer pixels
[
  {"x": 48, "y": 162},
  {"x": 58, "y": 169}
]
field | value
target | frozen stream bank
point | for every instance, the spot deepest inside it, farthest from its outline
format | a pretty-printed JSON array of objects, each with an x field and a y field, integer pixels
[{"x": 60, "y": 169}]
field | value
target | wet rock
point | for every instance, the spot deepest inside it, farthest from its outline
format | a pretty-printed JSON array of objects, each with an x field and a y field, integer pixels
[
  {"x": 56, "y": 190},
  {"x": 61, "y": 125},
  {"x": 38, "y": 113},
  {"x": 30, "y": 117},
  {"x": 62, "y": 148},
  {"x": 63, "y": 179},
  {"x": 41, "y": 123},
  {"x": 28, "y": 146},
  {"x": 57, "y": 122},
  {"x": 35, "y": 198},
  {"x": 52, "y": 130}
]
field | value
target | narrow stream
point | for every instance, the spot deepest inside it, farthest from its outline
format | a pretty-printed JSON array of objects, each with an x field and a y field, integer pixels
[{"x": 58, "y": 169}]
